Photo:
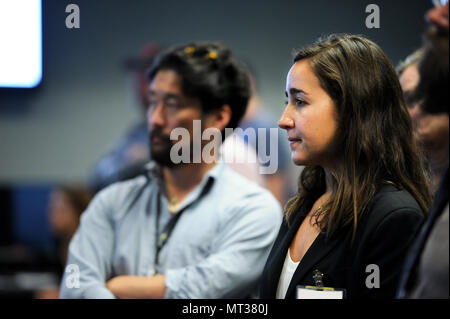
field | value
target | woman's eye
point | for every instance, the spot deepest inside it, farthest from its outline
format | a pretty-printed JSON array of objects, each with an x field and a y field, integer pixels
[
  {"x": 299, "y": 102},
  {"x": 286, "y": 102}
]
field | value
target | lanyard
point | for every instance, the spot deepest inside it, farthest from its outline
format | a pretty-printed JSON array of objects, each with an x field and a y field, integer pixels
[{"x": 161, "y": 239}]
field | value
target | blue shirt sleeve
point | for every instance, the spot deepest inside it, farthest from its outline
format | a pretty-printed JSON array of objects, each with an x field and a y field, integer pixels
[{"x": 90, "y": 254}]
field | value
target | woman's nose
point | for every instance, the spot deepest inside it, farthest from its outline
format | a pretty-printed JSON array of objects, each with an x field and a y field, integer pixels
[{"x": 286, "y": 121}]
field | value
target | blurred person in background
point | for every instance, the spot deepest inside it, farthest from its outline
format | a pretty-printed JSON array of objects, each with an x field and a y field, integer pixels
[
  {"x": 425, "y": 272},
  {"x": 431, "y": 122},
  {"x": 129, "y": 154},
  {"x": 193, "y": 229},
  {"x": 66, "y": 204},
  {"x": 257, "y": 117}
]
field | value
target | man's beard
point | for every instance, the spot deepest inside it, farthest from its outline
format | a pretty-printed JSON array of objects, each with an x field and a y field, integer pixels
[
  {"x": 160, "y": 150},
  {"x": 161, "y": 153}
]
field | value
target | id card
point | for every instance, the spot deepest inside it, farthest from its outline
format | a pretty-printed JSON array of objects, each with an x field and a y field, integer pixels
[{"x": 313, "y": 292}]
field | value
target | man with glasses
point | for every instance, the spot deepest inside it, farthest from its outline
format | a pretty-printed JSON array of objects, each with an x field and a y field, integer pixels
[{"x": 189, "y": 229}]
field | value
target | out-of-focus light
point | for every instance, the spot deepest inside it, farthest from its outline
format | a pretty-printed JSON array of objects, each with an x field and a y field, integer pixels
[
  {"x": 437, "y": 3},
  {"x": 20, "y": 43}
]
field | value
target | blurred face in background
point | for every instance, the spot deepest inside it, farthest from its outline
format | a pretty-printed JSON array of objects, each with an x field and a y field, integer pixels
[
  {"x": 64, "y": 218},
  {"x": 168, "y": 109},
  {"x": 431, "y": 130}
]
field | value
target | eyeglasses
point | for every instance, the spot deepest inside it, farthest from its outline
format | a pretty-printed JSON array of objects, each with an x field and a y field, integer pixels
[{"x": 171, "y": 103}]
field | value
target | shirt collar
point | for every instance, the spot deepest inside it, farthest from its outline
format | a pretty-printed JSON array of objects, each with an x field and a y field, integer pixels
[{"x": 154, "y": 172}]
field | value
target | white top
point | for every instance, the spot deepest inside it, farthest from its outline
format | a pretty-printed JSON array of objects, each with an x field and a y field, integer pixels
[{"x": 289, "y": 268}]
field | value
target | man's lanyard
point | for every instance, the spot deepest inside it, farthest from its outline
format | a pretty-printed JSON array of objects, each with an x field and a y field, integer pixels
[{"x": 161, "y": 239}]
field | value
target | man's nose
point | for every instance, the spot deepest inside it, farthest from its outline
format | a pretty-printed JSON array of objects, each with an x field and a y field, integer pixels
[
  {"x": 156, "y": 115},
  {"x": 286, "y": 121}
]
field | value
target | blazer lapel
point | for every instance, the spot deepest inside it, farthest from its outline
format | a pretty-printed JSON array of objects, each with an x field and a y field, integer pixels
[
  {"x": 319, "y": 249},
  {"x": 278, "y": 255}
]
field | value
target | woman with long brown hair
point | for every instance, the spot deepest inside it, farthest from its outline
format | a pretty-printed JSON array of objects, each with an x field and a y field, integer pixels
[{"x": 363, "y": 192}]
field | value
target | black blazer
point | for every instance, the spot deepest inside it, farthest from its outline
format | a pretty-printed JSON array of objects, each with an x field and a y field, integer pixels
[{"x": 384, "y": 234}]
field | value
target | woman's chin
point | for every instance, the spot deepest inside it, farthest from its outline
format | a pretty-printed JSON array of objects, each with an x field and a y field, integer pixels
[{"x": 299, "y": 161}]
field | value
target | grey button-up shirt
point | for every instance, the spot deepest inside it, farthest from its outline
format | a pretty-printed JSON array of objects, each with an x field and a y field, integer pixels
[{"x": 217, "y": 249}]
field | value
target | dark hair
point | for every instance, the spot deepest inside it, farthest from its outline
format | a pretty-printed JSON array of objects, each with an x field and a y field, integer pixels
[
  {"x": 433, "y": 73},
  {"x": 209, "y": 73},
  {"x": 375, "y": 134}
]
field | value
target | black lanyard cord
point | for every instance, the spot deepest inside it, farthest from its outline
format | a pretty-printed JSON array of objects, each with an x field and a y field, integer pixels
[{"x": 161, "y": 239}]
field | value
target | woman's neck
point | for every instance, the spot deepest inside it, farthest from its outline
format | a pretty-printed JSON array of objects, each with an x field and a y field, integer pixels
[{"x": 325, "y": 197}]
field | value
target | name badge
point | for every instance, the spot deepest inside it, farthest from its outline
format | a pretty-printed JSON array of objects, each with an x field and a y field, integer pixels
[{"x": 313, "y": 292}]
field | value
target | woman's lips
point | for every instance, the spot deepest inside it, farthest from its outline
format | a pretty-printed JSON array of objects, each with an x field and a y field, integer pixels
[{"x": 293, "y": 140}]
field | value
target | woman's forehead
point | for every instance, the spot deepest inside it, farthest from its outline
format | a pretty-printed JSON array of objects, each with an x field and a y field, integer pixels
[{"x": 301, "y": 77}]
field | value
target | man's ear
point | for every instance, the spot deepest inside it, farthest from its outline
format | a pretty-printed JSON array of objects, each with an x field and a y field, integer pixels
[{"x": 219, "y": 118}]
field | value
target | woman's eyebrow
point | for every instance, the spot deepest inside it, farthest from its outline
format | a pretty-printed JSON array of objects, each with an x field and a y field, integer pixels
[{"x": 293, "y": 91}]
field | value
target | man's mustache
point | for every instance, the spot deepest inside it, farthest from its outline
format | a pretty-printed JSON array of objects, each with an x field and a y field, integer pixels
[{"x": 157, "y": 133}]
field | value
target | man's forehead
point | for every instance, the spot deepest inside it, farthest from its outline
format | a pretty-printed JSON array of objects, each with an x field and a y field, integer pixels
[
  {"x": 166, "y": 81},
  {"x": 167, "y": 85}
]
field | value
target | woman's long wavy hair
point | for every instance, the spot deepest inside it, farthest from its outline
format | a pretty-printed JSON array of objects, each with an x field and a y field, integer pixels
[{"x": 375, "y": 133}]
